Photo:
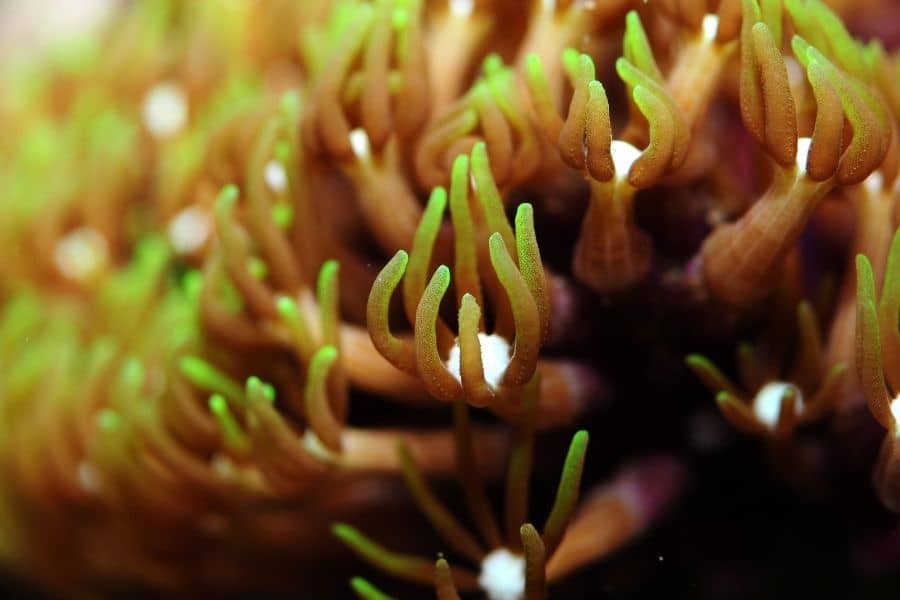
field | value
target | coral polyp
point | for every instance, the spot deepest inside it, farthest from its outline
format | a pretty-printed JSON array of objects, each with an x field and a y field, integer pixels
[{"x": 328, "y": 297}]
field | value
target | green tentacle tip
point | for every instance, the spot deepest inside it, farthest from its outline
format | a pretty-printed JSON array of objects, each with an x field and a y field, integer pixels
[
  {"x": 288, "y": 310},
  {"x": 698, "y": 361},
  {"x": 217, "y": 404},
  {"x": 637, "y": 47},
  {"x": 354, "y": 538},
  {"x": 533, "y": 66},
  {"x": 259, "y": 390},
  {"x": 492, "y": 64},
  {"x": 440, "y": 281},
  {"x": 227, "y": 198},
  {"x": 570, "y": 58},
  {"x": 109, "y": 420},
  {"x": 724, "y": 397},
  {"x": 459, "y": 174},
  {"x": 525, "y": 223},
  {"x": 579, "y": 444},
  {"x": 290, "y": 102},
  {"x": 328, "y": 275},
  {"x": 322, "y": 360},
  {"x": 132, "y": 373},
  {"x": 233, "y": 435},
  {"x": 205, "y": 376},
  {"x": 282, "y": 152},
  {"x": 191, "y": 283},
  {"x": 283, "y": 215},
  {"x": 366, "y": 591},
  {"x": 258, "y": 268}
]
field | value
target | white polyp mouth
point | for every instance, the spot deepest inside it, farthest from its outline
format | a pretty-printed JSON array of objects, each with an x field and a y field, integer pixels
[
  {"x": 710, "y": 27},
  {"x": 767, "y": 404},
  {"x": 895, "y": 412},
  {"x": 275, "y": 176},
  {"x": 165, "y": 110},
  {"x": 548, "y": 5},
  {"x": 189, "y": 230},
  {"x": 874, "y": 182},
  {"x": 88, "y": 477},
  {"x": 803, "y": 145},
  {"x": 81, "y": 254},
  {"x": 495, "y": 355},
  {"x": 462, "y": 8},
  {"x": 503, "y": 575},
  {"x": 359, "y": 142},
  {"x": 624, "y": 156}
]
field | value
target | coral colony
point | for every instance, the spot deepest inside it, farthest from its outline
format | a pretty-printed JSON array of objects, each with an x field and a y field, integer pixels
[{"x": 311, "y": 297}]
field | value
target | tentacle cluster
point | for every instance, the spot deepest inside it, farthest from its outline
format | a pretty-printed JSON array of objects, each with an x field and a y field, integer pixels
[
  {"x": 741, "y": 260},
  {"x": 612, "y": 253},
  {"x": 516, "y": 560},
  {"x": 485, "y": 369}
]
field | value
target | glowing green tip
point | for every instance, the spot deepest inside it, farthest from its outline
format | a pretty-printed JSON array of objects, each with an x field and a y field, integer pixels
[
  {"x": 288, "y": 309},
  {"x": 533, "y": 65},
  {"x": 232, "y": 433},
  {"x": 206, "y": 377},
  {"x": 367, "y": 591},
  {"x": 283, "y": 152},
  {"x": 290, "y": 102},
  {"x": 109, "y": 420},
  {"x": 493, "y": 64},
  {"x": 570, "y": 58},
  {"x": 191, "y": 282},
  {"x": 227, "y": 197},
  {"x": 217, "y": 404},
  {"x": 257, "y": 389},
  {"x": 257, "y": 268},
  {"x": 132, "y": 373},
  {"x": 400, "y": 19},
  {"x": 283, "y": 215}
]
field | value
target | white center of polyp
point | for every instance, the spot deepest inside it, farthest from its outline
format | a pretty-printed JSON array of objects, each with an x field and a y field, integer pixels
[
  {"x": 767, "y": 404},
  {"x": 165, "y": 110},
  {"x": 81, "y": 254},
  {"x": 495, "y": 355},
  {"x": 359, "y": 142},
  {"x": 803, "y": 145},
  {"x": 623, "y": 156},
  {"x": 189, "y": 230},
  {"x": 462, "y": 8},
  {"x": 503, "y": 575},
  {"x": 549, "y": 5},
  {"x": 710, "y": 27},
  {"x": 275, "y": 176},
  {"x": 895, "y": 412}
]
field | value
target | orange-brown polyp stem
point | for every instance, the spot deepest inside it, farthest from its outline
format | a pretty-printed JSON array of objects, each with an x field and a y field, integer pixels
[
  {"x": 453, "y": 41},
  {"x": 693, "y": 80},
  {"x": 612, "y": 253},
  {"x": 388, "y": 205},
  {"x": 741, "y": 260},
  {"x": 552, "y": 29},
  {"x": 566, "y": 391},
  {"x": 368, "y": 370},
  {"x": 433, "y": 452},
  {"x": 613, "y": 514}
]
